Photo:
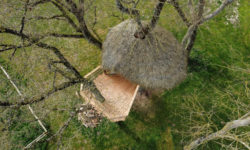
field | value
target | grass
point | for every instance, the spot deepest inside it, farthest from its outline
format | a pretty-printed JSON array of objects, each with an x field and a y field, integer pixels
[{"x": 215, "y": 91}]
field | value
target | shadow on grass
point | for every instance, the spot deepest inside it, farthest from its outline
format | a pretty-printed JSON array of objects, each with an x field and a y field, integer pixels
[
  {"x": 150, "y": 129},
  {"x": 202, "y": 76}
]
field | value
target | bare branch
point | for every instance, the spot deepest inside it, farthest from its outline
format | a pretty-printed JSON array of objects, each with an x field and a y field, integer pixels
[
  {"x": 61, "y": 57},
  {"x": 55, "y": 69},
  {"x": 190, "y": 37},
  {"x": 44, "y": 96},
  {"x": 245, "y": 121},
  {"x": 79, "y": 78},
  {"x": 54, "y": 79},
  {"x": 64, "y": 126},
  {"x": 31, "y": 110},
  {"x": 188, "y": 34},
  {"x": 41, "y": 97},
  {"x": 58, "y": 17},
  {"x": 81, "y": 6},
  {"x": 200, "y": 9},
  {"x": 130, "y": 11},
  {"x": 93, "y": 26},
  {"x": 176, "y": 5},
  {"x": 63, "y": 5},
  {"x": 157, "y": 12},
  {"x": 73, "y": 5},
  {"x": 84, "y": 29},
  {"x": 11, "y": 47},
  {"x": 217, "y": 11},
  {"x": 65, "y": 35},
  {"x": 145, "y": 30},
  {"x": 13, "y": 54},
  {"x": 64, "y": 13},
  {"x": 79, "y": 14},
  {"x": 236, "y": 139},
  {"x": 24, "y": 16},
  {"x": 44, "y": 46},
  {"x": 34, "y": 4}
]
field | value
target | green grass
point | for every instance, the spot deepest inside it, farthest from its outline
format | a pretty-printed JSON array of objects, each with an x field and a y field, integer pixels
[{"x": 215, "y": 91}]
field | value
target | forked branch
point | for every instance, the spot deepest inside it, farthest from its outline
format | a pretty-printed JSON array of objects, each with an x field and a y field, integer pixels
[
  {"x": 78, "y": 77},
  {"x": 217, "y": 11},
  {"x": 177, "y": 7},
  {"x": 190, "y": 36},
  {"x": 242, "y": 122},
  {"x": 78, "y": 12},
  {"x": 130, "y": 11},
  {"x": 144, "y": 30}
]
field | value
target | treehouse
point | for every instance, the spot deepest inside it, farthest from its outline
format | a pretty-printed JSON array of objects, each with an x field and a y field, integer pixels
[
  {"x": 119, "y": 94},
  {"x": 156, "y": 62}
]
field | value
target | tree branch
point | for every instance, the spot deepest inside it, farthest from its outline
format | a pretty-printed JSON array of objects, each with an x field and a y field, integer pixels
[
  {"x": 176, "y": 5},
  {"x": 236, "y": 139},
  {"x": 55, "y": 69},
  {"x": 244, "y": 121},
  {"x": 88, "y": 85},
  {"x": 130, "y": 11},
  {"x": 11, "y": 47},
  {"x": 64, "y": 126},
  {"x": 126, "y": 10},
  {"x": 64, "y": 13},
  {"x": 43, "y": 96},
  {"x": 44, "y": 46},
  {"x": 58, "y": 17},
  {"x": 217, "y": 11},
  {"x": 141, "y": 33},
  {"x": 190, "y": 37},
  {"x": 188, "y": 34},
  {"x": 73, "y": 5},
  {"x": 34, "y": 4},
  {"x": 200, "y": 9},
  {"x": 65, "y": 35},
  {"x": 157, "y": 12},
  {"x": 24, "y": 16},
  {"x": 93, "y": 26},
  {"x": 78, "y": 12}
]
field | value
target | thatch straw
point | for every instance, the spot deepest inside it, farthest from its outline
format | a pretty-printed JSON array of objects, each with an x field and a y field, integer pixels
[{"x": 158, "y": 61}]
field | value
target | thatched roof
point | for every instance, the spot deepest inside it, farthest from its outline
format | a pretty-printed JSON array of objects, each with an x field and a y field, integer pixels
[{"x": 158, "y": 61}]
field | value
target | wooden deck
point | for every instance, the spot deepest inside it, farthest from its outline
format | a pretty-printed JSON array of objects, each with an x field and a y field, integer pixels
[{"x": 119, "y": 95}]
